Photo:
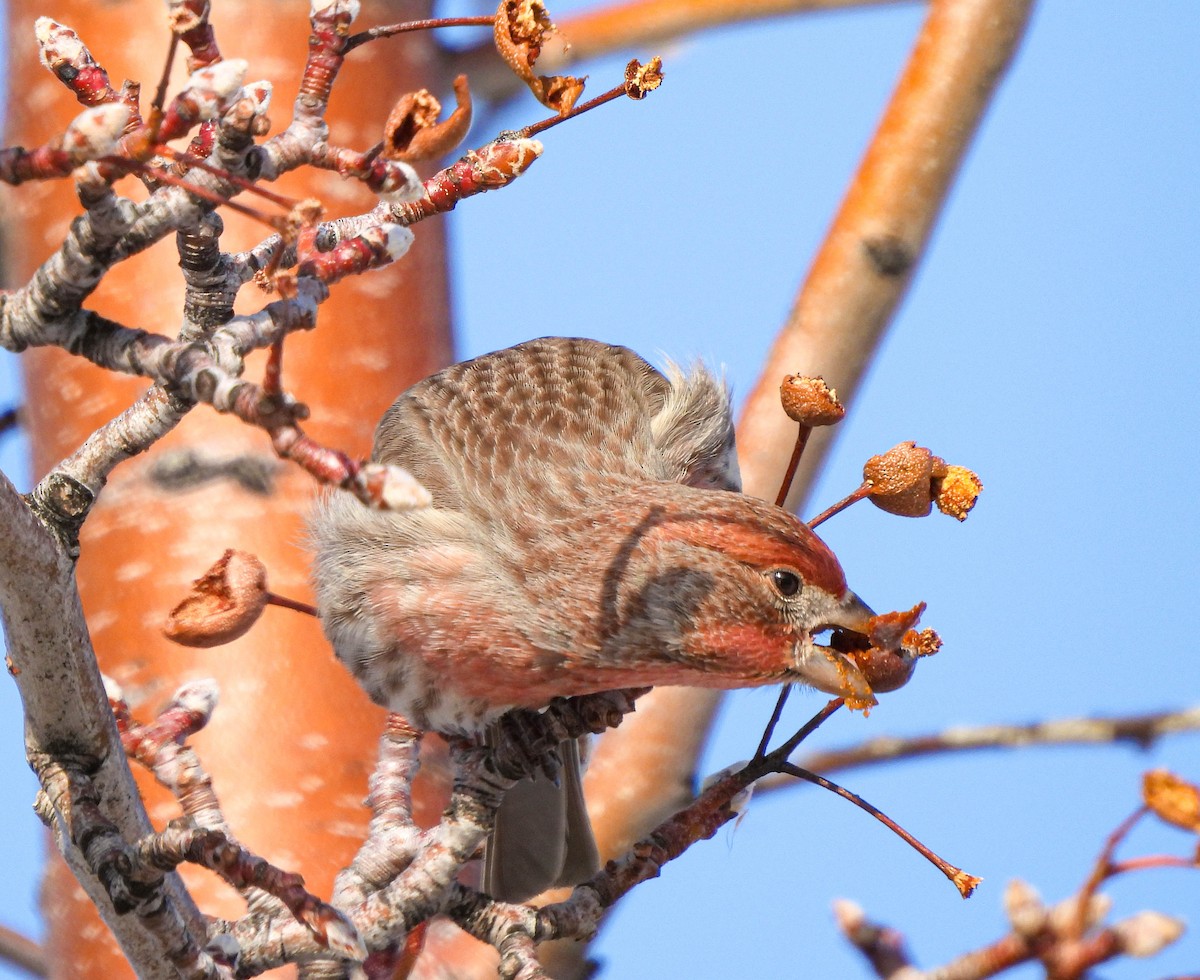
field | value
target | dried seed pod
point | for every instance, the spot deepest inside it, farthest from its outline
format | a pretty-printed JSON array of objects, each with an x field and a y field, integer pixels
[
  {"x": 901, "y": 479},
  {"x": 224, "y": 602},
  {"x": 1173, "y": 800},
  {"x": 642, "y": 79},
  {"x": 412, "y": 112},
  {"x": 413, "y": 133},
  {"x": 956, "y": 491},
  {"x": 522, "y": 29},
  {"x": 810, "y": 401}
]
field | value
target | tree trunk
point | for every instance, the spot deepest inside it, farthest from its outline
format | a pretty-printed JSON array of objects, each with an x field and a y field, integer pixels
[{"x": 294, "y": 738}]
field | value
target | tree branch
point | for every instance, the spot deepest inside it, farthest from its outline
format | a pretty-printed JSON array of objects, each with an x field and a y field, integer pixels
[
  {"x": 1142, "y": 730},
  {"x": 70, "y": 736}
]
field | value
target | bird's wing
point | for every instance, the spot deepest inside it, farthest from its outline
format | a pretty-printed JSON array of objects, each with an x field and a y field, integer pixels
[
  {"x": 542, "y": 422},
  {"x": 538, "y": 422}
]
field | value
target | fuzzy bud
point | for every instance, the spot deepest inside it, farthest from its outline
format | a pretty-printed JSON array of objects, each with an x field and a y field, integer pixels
[
  {"x": 396, "y": 239},
  {"x": 393, "y": 487},
  {"x": 1024, "y": 908},
  {"x": 402, "y": 184},
  {"x": 223, "y": 604},
  {"x": 259, "y": 93},
  {"x": 57, "y": 43},
  {"x": 199, "y": 697},
  {"x": 96, "y": 132},
  {"x": 1148, "y": 933},
  {"x": 1065, "y": 914},
  {"x": 350, "y": 9},
  {"x": 214, "y": 85}
]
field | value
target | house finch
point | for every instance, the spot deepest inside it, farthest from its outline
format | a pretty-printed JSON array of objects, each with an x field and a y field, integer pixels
[{"x": 586, "y": 534}]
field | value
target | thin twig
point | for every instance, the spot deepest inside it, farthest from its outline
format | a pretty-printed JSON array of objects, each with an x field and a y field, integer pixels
[
  {"x": 1140, "y": 730},
  {"x": 965, "y": 883}
]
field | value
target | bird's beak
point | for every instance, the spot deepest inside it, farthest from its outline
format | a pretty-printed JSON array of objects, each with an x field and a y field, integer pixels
[
  {"x": 834, "y": 672},
  {"x": 853, "y": 614}
]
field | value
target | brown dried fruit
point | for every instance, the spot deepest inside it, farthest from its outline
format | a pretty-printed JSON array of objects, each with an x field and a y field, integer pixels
[
  {"x": 885, "y": 670},
  {"x": 901, "y": 479},
  {"x": 224, "y": 602},
  {"x": 642, "y": 79},
  {"x": 956, "y": 491},
  {"x": 1173, "y": 800},
  {"x": 810, "y": 401},
  {"x": 887, "y": 655},
  {"x": 522, "y": 28},
  {"x": 413, "y": 133}
]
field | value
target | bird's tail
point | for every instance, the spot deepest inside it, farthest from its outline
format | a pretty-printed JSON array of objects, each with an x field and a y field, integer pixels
[{"x": 542, "y": 837}]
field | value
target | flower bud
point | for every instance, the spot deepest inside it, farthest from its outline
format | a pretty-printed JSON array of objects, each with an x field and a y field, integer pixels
[
  {"x": 1148, "y": 933},
  {"x": 1024, "y": 908}
]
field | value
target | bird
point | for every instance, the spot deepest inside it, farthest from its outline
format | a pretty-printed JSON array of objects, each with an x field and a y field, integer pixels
[{"x": 586, "y": 533}]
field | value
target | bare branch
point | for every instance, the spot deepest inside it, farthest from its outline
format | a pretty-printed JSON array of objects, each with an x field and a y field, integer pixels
[
  {"x": 1140, "y": 730},
  {"x": 22, "y": 952},
  {"x": 67, "y": 720}
]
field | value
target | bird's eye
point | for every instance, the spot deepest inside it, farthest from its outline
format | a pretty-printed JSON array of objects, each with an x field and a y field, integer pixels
[{"x": 786, "y": 583}]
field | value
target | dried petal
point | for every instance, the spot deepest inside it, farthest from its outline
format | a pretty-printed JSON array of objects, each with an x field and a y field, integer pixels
[
  {"x": 956, "y": 491},
  {"x": 1173, "y": 800},
  {"x": 810, "y": 401},
  {"x": 642, "y": 79},
  {"x": 901, "y": 480},
  {"x": 413, "y": 132},
  {"x": 223, "y": 604},
  {"x": 522, "y": 29}
]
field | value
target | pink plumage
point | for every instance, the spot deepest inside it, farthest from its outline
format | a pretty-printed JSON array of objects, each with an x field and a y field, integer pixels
[{"x": 586, "y": 534}]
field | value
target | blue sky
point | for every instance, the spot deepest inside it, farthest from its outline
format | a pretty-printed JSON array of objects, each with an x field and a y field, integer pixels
[{"x": 1049, "y": 341}]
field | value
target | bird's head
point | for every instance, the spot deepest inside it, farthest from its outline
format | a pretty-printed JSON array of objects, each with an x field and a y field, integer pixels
[{"x": 732, "y": 591}]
